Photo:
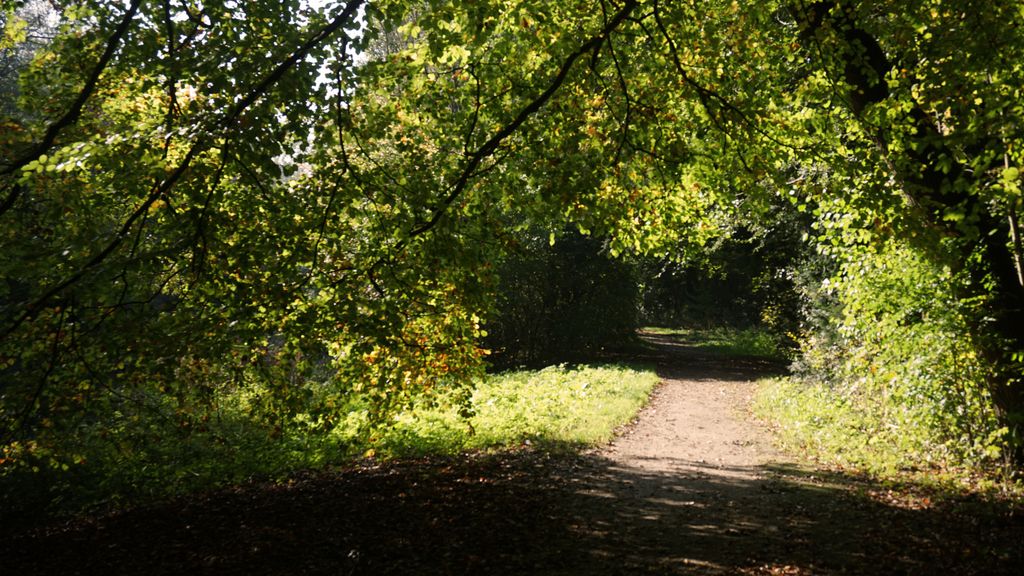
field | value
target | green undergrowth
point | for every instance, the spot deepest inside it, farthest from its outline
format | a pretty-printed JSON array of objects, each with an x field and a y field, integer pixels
[
  {"x": 892, "y": 377},
  {"x": 145, "y": 460},
  {"x": 753, "y": 342},
  {"x": 895, "y": 445},
  {"x": 558, "y": 405}
]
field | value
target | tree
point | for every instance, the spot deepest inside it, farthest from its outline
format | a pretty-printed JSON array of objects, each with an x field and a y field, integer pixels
[
  {"x": 200, "y": 198},
  {"x": 149, "y": 140},
  {"x": 947, "y": 136},
  {"x": 26, "y": 31}
]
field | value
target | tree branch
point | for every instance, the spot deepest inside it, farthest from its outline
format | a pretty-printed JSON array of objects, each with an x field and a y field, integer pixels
[
  {"x": 301, "y": 52},
  {"x": 71, "y": 116},
  {"x": 168, "y": 183},
  {"x": 489, "y": 147}
]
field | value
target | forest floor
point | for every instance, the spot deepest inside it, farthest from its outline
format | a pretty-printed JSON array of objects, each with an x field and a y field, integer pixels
[{"x": 693, "y": 486}]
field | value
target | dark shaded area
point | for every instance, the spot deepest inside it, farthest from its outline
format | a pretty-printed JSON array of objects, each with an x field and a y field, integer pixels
[
  {"x": 424, "y": 516},
  {"x": 717, "y": 292},
  {"x": 810, "y": 523},
  {"x": 528, "y": 512},
  {"x": 686, "y": 357},
  {"x": 563, "y": 302},
  {"x": 745, "y": 279}
]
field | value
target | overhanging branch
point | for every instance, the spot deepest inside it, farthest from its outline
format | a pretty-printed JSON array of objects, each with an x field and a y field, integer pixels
[
  {"x": 488, "y": 148},
  {"x": 164, "y": 187},
  {"x": 71, "y": 116}
]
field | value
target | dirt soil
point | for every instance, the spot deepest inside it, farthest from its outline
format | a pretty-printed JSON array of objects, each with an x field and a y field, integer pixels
[{"x": 694, "y": 486}]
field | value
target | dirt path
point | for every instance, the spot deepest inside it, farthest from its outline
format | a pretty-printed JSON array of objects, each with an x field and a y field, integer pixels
[
  {"x": 687, "y": 487},
  {"x": 693, "y": 487}
]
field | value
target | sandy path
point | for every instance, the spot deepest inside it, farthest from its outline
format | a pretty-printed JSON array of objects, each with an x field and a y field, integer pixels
[
  {"x": 697, "y": 427},
  {"x": 685, "y": 489}
]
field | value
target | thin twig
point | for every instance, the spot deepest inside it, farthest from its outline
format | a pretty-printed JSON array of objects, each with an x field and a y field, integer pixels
[{"x": 492, "y": 144}]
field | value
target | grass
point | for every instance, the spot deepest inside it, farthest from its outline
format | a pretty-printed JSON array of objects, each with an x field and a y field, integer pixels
[
  {"x": 811, "y": 420},
  {"x": 751, "y": 342},
  {"x": 558, "y": 405}
]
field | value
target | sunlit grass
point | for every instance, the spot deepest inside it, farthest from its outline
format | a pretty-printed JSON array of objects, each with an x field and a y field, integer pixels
[
  {"x": 559, "y": 405},
  {"x": 726, "y": 341},
  {"x": 810, "y": 420}
]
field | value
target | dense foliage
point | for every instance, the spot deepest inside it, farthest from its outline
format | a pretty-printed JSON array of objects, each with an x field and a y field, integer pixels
[
  {"x": 558, "y": 407},
  {"x": 561, "y": 300},
  {"x": 889, "y": 377},
  {"x": 743, "y": 279},
  {"x": 208, "y": 201}
]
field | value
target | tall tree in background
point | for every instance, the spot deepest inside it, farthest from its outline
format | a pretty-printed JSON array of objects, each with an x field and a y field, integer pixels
[{"x": 27, "y": 31}]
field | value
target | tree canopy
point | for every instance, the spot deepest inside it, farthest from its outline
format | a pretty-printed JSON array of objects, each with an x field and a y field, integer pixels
[{"x": 303, "y": 201}]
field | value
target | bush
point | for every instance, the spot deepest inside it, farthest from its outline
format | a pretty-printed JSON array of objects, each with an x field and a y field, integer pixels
[
  {"x": 741, "y": 281},
  {"x": 889, "y": 375},
  {"x": 147, "y": 458}
]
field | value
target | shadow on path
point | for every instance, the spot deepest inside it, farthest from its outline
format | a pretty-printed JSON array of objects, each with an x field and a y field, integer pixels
[
  {"x": 532, "y": 513},
  {"x": 788, "y": 521},
  {"x": 678, "y": 358}
]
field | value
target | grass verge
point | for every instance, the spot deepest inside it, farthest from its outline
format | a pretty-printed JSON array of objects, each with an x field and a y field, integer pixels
[
  {"x": 810, "y": 420},
  {"x": 558, "y": 406}
]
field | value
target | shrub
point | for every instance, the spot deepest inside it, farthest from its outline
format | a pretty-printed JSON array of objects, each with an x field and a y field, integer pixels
[{"x": 889, "y": 375}]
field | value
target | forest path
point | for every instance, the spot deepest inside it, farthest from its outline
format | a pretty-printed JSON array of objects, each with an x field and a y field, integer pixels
[
  {"x": 695, "y": 486},
  {"x": 692, "y": 487},
  {"x": 687, "y": 487}
]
